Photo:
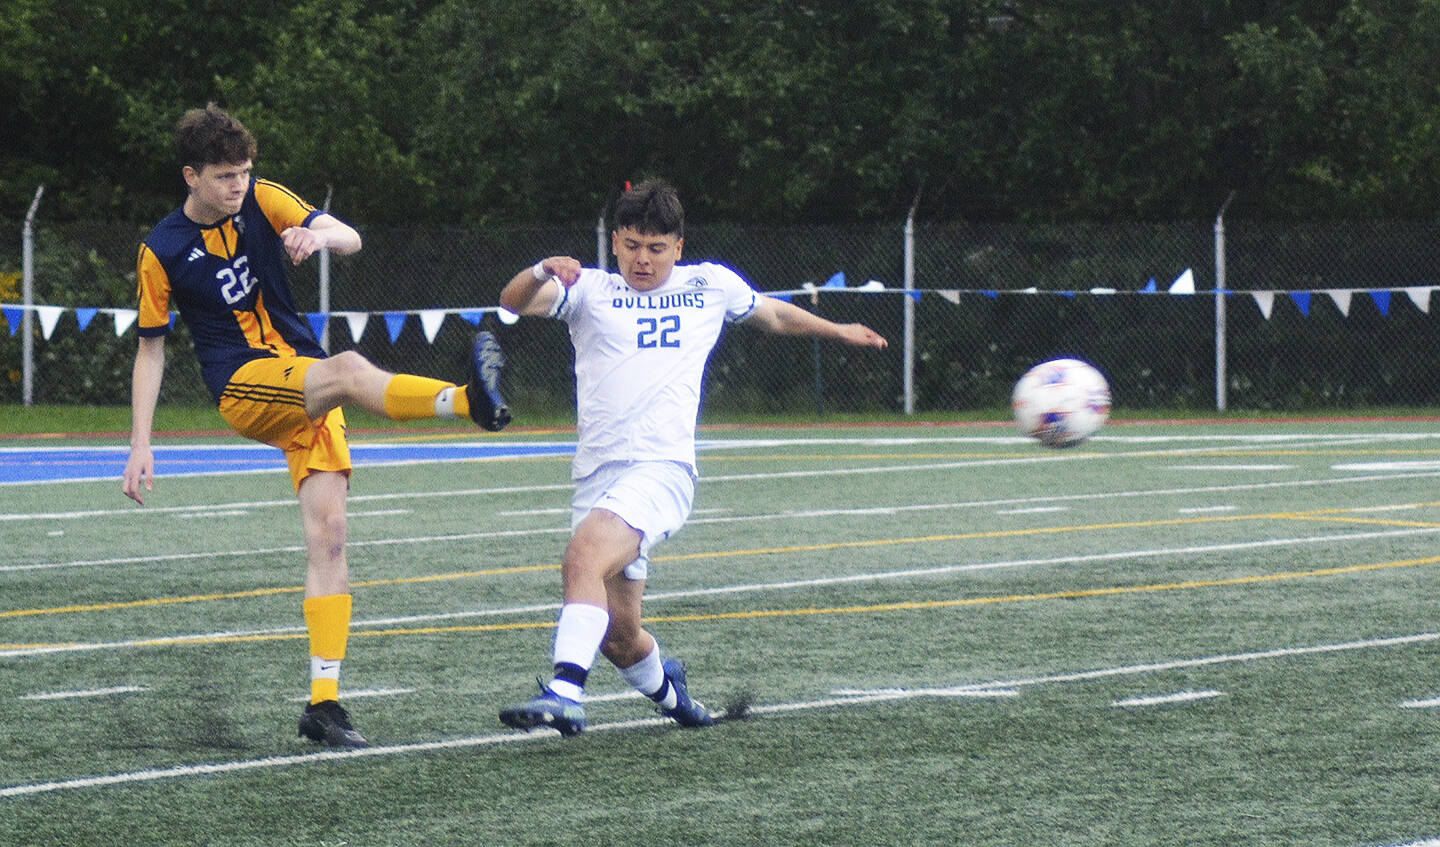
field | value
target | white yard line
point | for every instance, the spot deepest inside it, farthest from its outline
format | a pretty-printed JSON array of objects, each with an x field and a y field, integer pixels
[
  {"x": 1421, "y": 704},
  {"x": 93, "y": 692},
  {"x": 1166, "y": 699},
  {"x": 659, "y": 597},
  {"x": 788, "y": 515},
  {"x": 852, "y": 699},
  {"x": 1179, "y": 664},
  {"x": 1256, "y": 441},
  {"x": 1229, "y": 468}
]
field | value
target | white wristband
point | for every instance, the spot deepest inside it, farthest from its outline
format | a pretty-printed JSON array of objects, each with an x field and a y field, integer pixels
[{"x": 541, "y": 275}]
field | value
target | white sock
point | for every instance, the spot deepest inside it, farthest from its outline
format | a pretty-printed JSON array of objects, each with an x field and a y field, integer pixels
[
  {"x": 648, "y": 677},
  {"x": 578, "y": 634},
  {"x": 445, "y": 402}
]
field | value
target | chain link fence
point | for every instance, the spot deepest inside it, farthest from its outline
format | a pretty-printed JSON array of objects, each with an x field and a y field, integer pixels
[{"x": 1317, "y": 316}]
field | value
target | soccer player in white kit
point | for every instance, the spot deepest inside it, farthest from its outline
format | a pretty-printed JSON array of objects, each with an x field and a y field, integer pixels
[{"x": 641, "y": 338}]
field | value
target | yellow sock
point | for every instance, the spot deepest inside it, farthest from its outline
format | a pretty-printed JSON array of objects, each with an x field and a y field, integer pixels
[
  {"x": 408, "y": 397},
  {"x": 328, "y": 620}
]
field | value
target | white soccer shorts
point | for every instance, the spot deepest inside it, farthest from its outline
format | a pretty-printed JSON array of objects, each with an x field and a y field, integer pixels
[{"x": 653, "y": 497}]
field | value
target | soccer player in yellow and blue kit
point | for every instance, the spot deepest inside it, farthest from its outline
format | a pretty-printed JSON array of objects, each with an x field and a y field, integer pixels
[{"x": 220, "y": 260}]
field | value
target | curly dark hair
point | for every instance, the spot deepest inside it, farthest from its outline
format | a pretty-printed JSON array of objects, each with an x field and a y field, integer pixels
[{"x": 210, "y": 136}]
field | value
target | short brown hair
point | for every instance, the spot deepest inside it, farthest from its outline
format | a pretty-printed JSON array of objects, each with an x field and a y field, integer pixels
[
  {"x": 209, "y": 136},
  {"x": 652, "y": 207}
]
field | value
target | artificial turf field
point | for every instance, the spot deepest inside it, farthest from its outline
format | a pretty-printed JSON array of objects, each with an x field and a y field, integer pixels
[{"x": 1204, "y": 633}]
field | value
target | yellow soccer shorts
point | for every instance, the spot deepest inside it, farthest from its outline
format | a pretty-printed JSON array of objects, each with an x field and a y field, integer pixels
[{"x": 265, "y": 401}]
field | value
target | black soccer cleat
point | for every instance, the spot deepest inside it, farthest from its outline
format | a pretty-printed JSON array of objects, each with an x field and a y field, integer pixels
[
  {"x": 546, "y": 709},
  {"x": 687, "y": 712},
  {"x": 487, "y": 407},
  {"x": 326, "y": 723}
]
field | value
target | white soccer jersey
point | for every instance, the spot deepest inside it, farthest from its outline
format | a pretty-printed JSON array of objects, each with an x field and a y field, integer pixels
[{"x": 640, "y": 357}]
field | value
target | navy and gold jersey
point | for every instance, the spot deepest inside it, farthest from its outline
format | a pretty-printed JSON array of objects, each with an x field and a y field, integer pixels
[{"x": 230, "y": 283}]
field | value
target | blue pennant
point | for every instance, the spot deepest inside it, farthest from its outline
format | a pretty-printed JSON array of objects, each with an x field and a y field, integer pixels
[
  {"x": 83, "y": 317},
  {"x": 1302, "y": 299},
  {"x": 394, "y": 321},
  {"x": 318, "y": 320},
  {"x": 1382, "y": 301}
]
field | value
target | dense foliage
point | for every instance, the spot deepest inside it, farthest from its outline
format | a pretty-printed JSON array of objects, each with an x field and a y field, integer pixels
[{"x": 481, "y": 112}]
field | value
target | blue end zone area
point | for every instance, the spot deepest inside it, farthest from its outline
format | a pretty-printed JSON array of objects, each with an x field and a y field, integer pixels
[{"x": 58, "y": 464}]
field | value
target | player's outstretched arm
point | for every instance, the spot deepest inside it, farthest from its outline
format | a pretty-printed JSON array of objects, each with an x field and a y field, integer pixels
[
  {"x": 144, "y": 395},
  {"x": 783, "y": 318},
  {"x": 529, "y": 292}
]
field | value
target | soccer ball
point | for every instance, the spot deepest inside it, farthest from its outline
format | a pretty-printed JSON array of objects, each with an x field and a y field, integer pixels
[{"x": 1061, "y": 403}]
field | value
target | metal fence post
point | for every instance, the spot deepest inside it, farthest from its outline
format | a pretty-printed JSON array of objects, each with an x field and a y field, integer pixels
[
  {"x": 908, "y": 373},
  {"x": 27, "y": 322},
  {"x": 325, "y": 281},
  {"x": 1220, "y": 366},
  {"x": 600, "y": 254}
]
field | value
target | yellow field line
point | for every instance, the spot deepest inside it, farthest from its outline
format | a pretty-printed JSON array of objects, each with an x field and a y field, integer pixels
[
  {"x": 912, "y": 605},
  {"x": 1336, "y": 515},
  {"x": 266, "y": 592}
]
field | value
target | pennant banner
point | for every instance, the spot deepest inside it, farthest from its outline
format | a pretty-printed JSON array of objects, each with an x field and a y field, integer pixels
[
  {"x": 1266, "y": 301},
  {"x": 1184, "y": 283},
  {"x": 430, "y": 320},
  {"x": 357, "y": 322},
  {"x": 123, "y": 319},
  {"x": 49, "y": 316},
  {"x": 394, "y": 321},
  {"x": 318, "y": 322}
]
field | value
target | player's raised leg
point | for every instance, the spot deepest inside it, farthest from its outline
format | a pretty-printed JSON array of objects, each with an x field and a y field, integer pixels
[{"x": 350, "y": 378}]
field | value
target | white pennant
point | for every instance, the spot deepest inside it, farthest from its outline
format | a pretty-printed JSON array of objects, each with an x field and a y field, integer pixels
[
  {"x": 123, "y": 319},
  {"x": 1184, "y": 283},
  {"x": 49, "y": 315},
  {"x": 950, "y": 294},
  {"x": 1420, "y": 296},
  {"x": 1266, "y": 301},
  {"x": 1341, "y": 296},
  {"x": 357, "y": 321},
  {"x": 430, "y": 320}
]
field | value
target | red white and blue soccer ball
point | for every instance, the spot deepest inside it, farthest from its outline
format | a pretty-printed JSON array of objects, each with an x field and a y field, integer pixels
[{"x": 1061, "y": 403}]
